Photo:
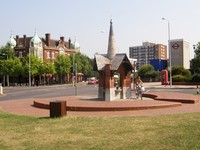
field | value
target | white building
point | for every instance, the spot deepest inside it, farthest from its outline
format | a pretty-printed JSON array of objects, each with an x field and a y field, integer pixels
[{"x": 180, "y": 53}]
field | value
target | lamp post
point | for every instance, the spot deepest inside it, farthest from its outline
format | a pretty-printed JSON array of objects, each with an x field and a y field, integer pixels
[
  {"x": 5, "y": 80},
  {"x": 75, "y": 75},
  {"x": 170, "y": 52},
  {"x": 194, "y": 47},
  {"x": 29, "y": 69}
]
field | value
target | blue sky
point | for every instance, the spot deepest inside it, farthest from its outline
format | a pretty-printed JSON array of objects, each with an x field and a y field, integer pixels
[{"x": 134, "y": 21}]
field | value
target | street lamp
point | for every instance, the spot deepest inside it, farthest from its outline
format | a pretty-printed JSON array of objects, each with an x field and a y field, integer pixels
[
  {"x": 170, "y": 52},
  {"x": 7, "y": 76},
  {"x": 29, "y": 69},
  {"x": 194, "y": 47}
]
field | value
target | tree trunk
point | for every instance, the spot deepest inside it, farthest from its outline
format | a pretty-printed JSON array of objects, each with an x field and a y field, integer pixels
[
  {"x": 7, "y": 80},
  {"x": 4, "y": 80},
  {"x": 61, "y": 78}
]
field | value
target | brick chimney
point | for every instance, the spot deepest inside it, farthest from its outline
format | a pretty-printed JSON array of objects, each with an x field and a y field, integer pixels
[
  {"x": 47, "y": 39},
  {"x": 69, "y": 41},
  {"x": 24, "y": 40},
  {"x": 62, "y": 38}
]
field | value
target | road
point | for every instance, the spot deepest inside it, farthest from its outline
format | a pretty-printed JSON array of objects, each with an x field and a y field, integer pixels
[{"x": 16, "y": 93}]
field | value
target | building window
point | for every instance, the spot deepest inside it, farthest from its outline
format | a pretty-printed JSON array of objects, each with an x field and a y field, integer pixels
[
  {"x": 48, "y": 55},
  {"x": 53, "y": 55},
  {"x": 20, "y": 54}
]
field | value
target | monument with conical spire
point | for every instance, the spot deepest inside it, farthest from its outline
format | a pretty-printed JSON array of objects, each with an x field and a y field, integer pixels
[
  {"x": 114, "y": 72},
  {"x": 111, "y": 43}
]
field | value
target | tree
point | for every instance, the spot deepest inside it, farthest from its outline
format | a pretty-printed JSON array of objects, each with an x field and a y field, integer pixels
[
  {"x": 25, "y": 65},
  {"x": 6, "y": 52},
  {"x": 197, "y": 50},
  {"x": 84, "y": 64},
  {"x": 179, "y": 70},
  {"x": 5, "y": 70},
  {"x": 12, "y": 68},
  {"x": 180, "y": 74},
  {"x": 91, "y": 72},
  {"x": 62, "y": 66},
  {"x": 195, "y": 62},
  {"x": 35, "y": 65},
  {"x": 16, "y": 68},
  {"x": 48, "y": 70},
  {"x": 147, "y": 71}
]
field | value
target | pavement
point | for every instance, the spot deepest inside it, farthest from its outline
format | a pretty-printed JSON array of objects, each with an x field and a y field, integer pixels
[
  {"x": 25, "y": 106},
  {"x": 157, "y": 85}
]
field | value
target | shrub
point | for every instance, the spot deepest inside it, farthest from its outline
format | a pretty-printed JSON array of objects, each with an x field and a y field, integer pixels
[
  {"x": 196, "y": 78},
  {"x": 179, "y": 70},
  {"x": 152, "y": 74},
  {"x": 180, "y": 78},
  {"x": 147, "y": 71}
]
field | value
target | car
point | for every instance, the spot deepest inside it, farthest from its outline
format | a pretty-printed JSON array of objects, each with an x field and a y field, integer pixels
[{"x": 92, "y": 81}]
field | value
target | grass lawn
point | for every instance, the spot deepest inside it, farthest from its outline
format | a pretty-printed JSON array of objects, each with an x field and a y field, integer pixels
[{"x": 159, "y": 132}]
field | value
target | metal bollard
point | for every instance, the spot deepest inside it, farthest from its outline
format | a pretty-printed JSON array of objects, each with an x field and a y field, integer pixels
[{"x": 197, "y": 89}]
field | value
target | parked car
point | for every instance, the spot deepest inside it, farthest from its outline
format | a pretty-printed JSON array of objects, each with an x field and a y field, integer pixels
[{"x": 94, "y": 81}]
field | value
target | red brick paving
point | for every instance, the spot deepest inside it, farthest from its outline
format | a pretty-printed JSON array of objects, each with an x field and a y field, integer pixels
[
  {"x": 173, "y": 97},
  {"x": 25, "y": 107}
]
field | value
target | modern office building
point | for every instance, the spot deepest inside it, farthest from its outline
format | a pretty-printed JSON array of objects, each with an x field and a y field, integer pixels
[
  {"x": 147, "y": 52},
  {"x": 180, "y": 53}
]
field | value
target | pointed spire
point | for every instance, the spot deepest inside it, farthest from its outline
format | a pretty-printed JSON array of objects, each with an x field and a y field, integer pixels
[
  {"x": 35, "y": 33},
  {"x": 111, "y": 43}
]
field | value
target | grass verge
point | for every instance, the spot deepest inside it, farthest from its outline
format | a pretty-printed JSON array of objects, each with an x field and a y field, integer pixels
[{"x": 157, "y": 132}]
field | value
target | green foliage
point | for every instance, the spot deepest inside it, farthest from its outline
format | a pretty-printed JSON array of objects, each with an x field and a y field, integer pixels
[
  {"x": 25, "y": 65},
  {"x": 196, "y": 78},
  {"x": 35, "y": 65},
  {"x": 16, "y": 67},
  {"x": 147, "y": 71},
  {"x": 84, "y": 64},
  {"x": 179, "y": 70},
  {"x": 4, "y": 67},
  {"x": 62, "y": 65},
  {"x": 11, "y": 65},
  {"x": 152, "y": 74},
  {"x": 180, "y": 78},
  {"x": 179, "y": 74},
  {"x": 195, "y": 62},
  {"x": 197, "y": 50},
  {"x": 6, "y": 52},
  {"x": 49, "y": 68}
]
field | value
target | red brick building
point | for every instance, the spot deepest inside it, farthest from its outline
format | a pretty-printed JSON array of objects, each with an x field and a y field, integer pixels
[{"x": 44, "y": 48}]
